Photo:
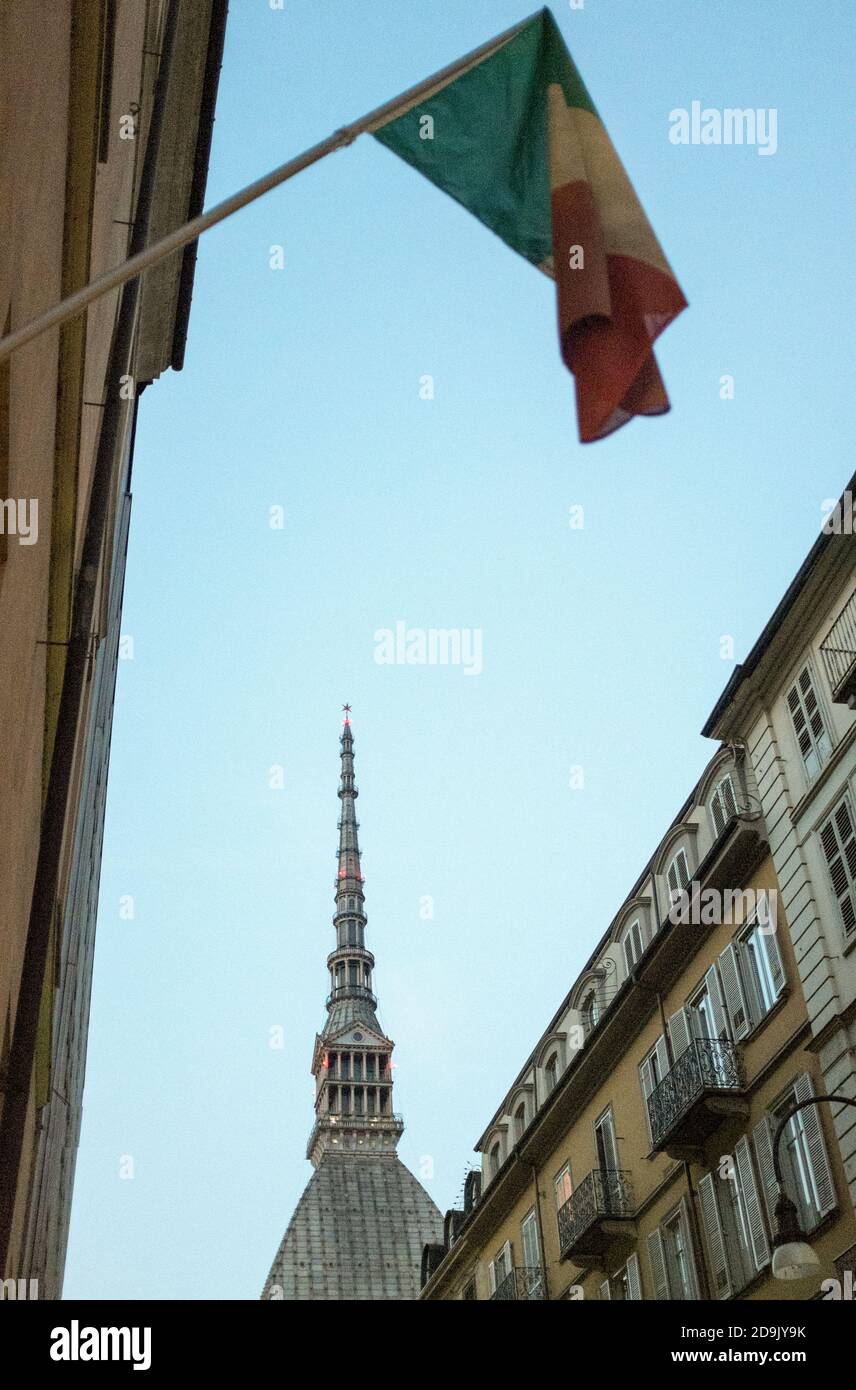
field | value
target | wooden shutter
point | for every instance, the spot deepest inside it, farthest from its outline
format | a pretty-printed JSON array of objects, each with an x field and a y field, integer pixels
[
  {"x": 807, "y": 719},
  {"x": 691, "y": 1252},
  {"x": 715, "y": 1237},
  {"x": 735, "y": 998},
  {"x": 774, "y": 955},
  {"x": 604, "y": 1289},
  {"x": 752, "y": 1202},
  {"x": 723, "y": 804},
  {"x": 646, "y": 1081},
  {"x": 679, "y": 1032},
  {"x": 717, "y": 1007},
  {"x": 838, "y": 839},
  {"x": 657, "y": 1257},
  {"x": 816, "y": 1144},
  {"x": 762, "y": 1138},
  {"x": 634, "y": 1279},
  {"x": 491, "y": 1272}
]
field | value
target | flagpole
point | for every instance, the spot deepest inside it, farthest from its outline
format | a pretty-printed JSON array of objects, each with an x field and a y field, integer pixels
[{"x": 74, "y": 304}]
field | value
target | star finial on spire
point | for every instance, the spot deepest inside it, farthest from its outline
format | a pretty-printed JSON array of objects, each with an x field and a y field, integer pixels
[{"x": 347, "y": 712}]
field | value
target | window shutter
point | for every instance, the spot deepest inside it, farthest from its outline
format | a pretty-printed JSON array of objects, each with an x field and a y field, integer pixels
[
  {"x": 634, "y": 1279},
  {"x": 807, "y": 719},
  {"x": 604, "y": 1289},
  {"x": 691, "y": 1252},
  {"x": 774, "y": 957},
  {"x": 491, "y": 1271},
  {"x": 678, "y": 873},
  {"x": 714, "y": 1236},
  {"x": 723, "y": 804},
  {"x": 658, "y": 1265},
  {"x": 838, "y": 839},
  {"x": 763, "y": 1140},
  {"x": 662, "y": 1055},
  {"x": 646, "y": 1081},
  {"x": 711, "y": 981},
  {"x": 749, "y": 1188},
  {"x": 735, "y": 998},
  {"x": 821, "y": 1171},
  {"x": 718, "y": 813},
  {"x": 679, "y": 1032}
]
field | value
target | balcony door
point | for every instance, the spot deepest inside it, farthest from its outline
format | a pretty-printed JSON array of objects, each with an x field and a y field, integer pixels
[
  {"x": 607, "y": 1161},
  {"x": 531, "y": 1256}
]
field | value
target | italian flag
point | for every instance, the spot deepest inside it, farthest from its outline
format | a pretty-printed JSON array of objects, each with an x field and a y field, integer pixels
[{"x": 515, "y": 137}]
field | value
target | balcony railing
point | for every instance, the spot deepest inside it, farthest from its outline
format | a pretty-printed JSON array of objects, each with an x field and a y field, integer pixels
[
  {"x": 351, "y": 992},
  {"x": 521, "y": 1282},
  {"x": 586, "y": 1220},
  {"x": 679, "y": 1107},
  {"x": 838, "y": 650}
]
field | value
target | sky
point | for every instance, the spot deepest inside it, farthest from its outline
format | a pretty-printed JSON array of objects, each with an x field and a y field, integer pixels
[{"x": 602, "y": 645}]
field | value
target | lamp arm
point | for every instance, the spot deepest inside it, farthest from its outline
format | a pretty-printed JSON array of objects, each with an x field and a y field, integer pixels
[{"x": 812, "y": 1100}]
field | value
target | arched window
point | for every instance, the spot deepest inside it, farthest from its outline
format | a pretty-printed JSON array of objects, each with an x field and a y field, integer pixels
[
  {"x": 634, "y": 944},
  {"x": 590, "y": 1012},
  {"x": 678, "y": 874},
  {"x": 723, "y": 805},
  {"x": 494, "y": 1159},
  {"x": 520, "y": 1120},
  {"x": 551, "y": 1071}
]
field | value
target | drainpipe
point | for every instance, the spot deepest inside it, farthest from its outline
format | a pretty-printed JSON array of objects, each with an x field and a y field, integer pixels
[
  {"x": 534, "y": 1172},
  {"x": 22, "y": 1051}
]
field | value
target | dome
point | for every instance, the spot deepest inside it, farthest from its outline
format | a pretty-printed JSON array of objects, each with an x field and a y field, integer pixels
[{"x": 357, "y": 1233}]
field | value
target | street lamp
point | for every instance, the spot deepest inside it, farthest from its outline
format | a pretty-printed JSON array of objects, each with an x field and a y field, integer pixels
[{"x": 793, "y": 1257}]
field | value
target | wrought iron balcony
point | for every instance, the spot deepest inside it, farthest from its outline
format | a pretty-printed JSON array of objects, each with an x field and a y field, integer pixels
[
  {"x": 704, "y": 1085},
  {"x": 351, "y": 992},
  {"x": 597, "y": 1213},
  {"x": 838, "y": 650},
  {"x": 521, "y": 1282}
]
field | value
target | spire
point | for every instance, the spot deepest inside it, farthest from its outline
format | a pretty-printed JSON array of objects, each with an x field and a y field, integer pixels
[{"x": 352, "y": 1064}]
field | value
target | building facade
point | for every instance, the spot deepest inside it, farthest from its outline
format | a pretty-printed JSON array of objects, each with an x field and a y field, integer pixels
[
  {"x": 792, "y": 705},
  {"x": 359, "y": 1229},
  {"x": 631, "y": 1158},
  {"x": 107, "y": 120}
]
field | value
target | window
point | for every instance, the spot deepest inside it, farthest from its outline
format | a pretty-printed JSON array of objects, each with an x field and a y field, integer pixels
[
  {"x": 591, "y": 1013},
  {"x": 625, "y": 1285},
  {"x": 838, "y": 839},
  {"x": 519, "y": 1120},
  {"x": 678, "y": 874},
  {"x": 672, "y": 1261},
  {"x": 563, "y": 1186},
  {"x": 634, "y": 944},
  {"x": 723, "y": 805},
  {"x": 531, "y": 1255},
  {"x": 551, "y": 1072},
  {"x": 733, "y": 1221},
  {"x": 651, "y": 1072},
  {"x": 500, "y": 1267},
  {"x": 807, "y": 718},
  {"x": 494, "y": 1160},
  {"x": 607, "y": 1162},
  {"x": 805, "y": 1163},
  {"x": 761, "y": 966}
]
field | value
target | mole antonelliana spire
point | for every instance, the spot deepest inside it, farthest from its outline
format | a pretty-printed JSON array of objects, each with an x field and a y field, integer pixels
[{"x": 359, "y": 1228}]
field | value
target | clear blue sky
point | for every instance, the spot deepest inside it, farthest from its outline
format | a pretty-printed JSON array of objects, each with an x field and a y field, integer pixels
[{"x": 601, "y": 646}]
